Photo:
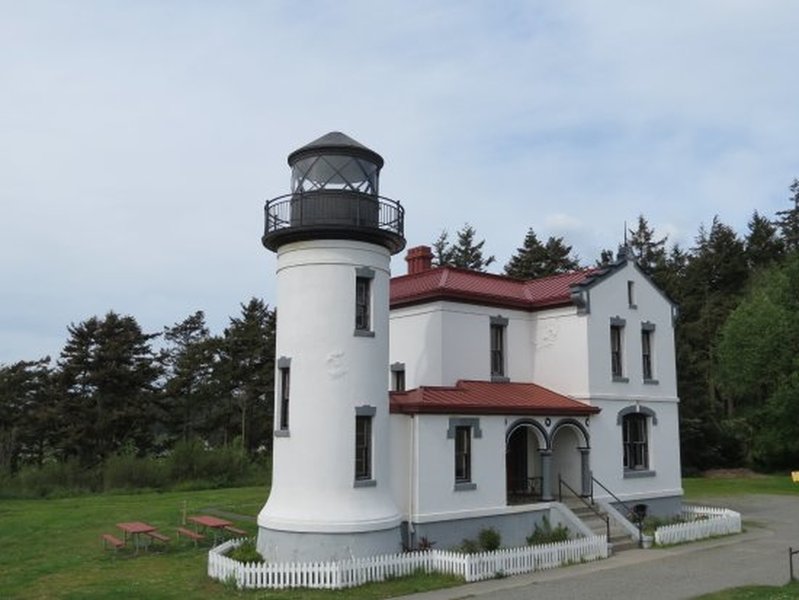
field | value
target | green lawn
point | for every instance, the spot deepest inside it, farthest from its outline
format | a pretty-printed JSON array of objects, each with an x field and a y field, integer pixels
[
  {"x": 699, "y": 487},
  {"x": 756, "y": 592},
  {"x": 52, "y": 549}
]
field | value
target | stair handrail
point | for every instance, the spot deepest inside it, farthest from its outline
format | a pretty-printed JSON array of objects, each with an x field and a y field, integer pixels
[
  {"x": 590, "y": 505},
  {"x": 638, "y": 519}
]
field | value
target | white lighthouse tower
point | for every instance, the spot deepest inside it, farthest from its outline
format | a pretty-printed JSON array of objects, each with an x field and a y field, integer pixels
[{"x": 334, "y": 237}]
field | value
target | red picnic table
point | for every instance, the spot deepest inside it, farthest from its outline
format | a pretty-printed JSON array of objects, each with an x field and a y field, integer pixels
[
  {"x": 215, "y": 523},
  {"x": 135, "y": 529}
]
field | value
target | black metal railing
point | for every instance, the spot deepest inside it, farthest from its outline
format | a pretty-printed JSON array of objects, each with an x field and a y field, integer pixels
[
  {"x": 525, "y": 490},
  {"x": 590, "y": 505},
  {"x": 334, "y": 208},
  {"x": 637, "y": 517}
]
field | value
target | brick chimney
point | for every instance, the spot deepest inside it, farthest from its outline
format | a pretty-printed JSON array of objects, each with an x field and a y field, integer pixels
[{"x": 420, "y": 259}]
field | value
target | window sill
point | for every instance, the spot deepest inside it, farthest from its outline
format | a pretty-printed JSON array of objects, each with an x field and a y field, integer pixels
[
  {"x": 360, "y": 483},
  {"x": 464, "y": 486},
  {"x": 632, "y": 474},
  {"x": 282, "y": 433},
  {"x": 499, "y": 379},
  {"x": 363, "y": 333},
  {"x": 633, "y": 306},
  {"x": 618, "y": 379},
  {"x": 651, "y": 382}
]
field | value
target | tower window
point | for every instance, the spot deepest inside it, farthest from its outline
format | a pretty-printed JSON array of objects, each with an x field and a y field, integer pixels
[
  {"x": 283, "y": 394},
  {"x": 363, "y": 301},
  {"x": 363, "y": 447},
  {"x": 631, "y": 294},
  {"x": 285, "y": 379}
]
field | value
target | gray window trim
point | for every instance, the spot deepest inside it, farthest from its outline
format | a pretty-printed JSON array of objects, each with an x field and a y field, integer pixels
[
  {"x": 284, "y": 362},
  {"x": 362, "y": 483},
  {"x": 647, "y": 326},
  {"x": 617, "y": 379},
  {"x": 365, "y": 272},
  {"x": 365, "y": 411},
  {"x": 638, "y": 409},
  {"x": 633, "y": 474},
  {"x": 618, "y": 322},
  {"x": 465, "y": 486},
  {"x": 363, "y": 333},
  {"x": 499, "y": 320},
  {"x": 397, "y": 366},
  {"x": 473, "y": 422},
  {"x": 631, "y": 294}
]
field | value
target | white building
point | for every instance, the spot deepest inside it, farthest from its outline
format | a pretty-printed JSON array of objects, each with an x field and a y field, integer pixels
[{"x": 505, "y": 395}]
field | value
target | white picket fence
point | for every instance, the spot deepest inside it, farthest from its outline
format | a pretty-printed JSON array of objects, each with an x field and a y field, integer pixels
[
  {"x": 349, "y": 573},
  {"x": 704, "y": 522}
]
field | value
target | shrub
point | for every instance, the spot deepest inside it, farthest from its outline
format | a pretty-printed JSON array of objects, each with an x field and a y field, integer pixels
[
  {"x": 246, "y": 552},
  {"x": 468, "y": 547},
  {"x": 546, "y": 534},
  {"x": 126, "y": 471},
  {"x": 489, "y": 539}
]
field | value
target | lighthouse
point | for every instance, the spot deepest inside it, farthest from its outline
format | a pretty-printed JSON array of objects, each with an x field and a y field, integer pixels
[{"x": 334, "y": 236}]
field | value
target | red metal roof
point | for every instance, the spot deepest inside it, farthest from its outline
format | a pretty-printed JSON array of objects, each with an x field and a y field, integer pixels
[
  {"x": 450, "y": 283},
  {"x": 487, "y": 398}
]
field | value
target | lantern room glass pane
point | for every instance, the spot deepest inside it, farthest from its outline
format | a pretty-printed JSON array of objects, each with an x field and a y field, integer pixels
[{"x": 334, "y": 172}]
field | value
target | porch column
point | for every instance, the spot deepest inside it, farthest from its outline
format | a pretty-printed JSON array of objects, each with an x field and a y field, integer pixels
[
  {"x": 585, "y": 471},
  {"x": 546, "y": 475}
]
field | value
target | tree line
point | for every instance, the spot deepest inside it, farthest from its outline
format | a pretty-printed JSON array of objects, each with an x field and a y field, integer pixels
[{"x": 111, "y": 390}]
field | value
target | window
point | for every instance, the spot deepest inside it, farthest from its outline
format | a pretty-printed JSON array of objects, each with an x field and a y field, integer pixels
[
  {"x": 363, "y": 447},
  {"x": 362, "y": 316},
  {"x": 634, "y": 441},
  {"x": 285, "y": 378},
  {"x": 616, "y": 332},
  {"x": 497, "y": 348},
  {"x": 647, "y": 361},
  {"x": 398, "y": 380},
  {"x": 646, "y": 353},
  {"x": 631, "y": 294},
  {"x": 283, "y": 395},
  {"x": 463, "y": 454}
]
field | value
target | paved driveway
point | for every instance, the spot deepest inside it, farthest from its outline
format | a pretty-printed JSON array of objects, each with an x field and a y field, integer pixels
[{"x": 757, "y": 556}]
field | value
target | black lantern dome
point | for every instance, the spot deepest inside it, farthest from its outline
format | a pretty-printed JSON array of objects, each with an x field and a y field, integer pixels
[{"x": 334, "y": 195}]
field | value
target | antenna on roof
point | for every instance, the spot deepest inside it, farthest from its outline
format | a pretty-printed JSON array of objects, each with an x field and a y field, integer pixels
[{"x": 625, "y": 234}]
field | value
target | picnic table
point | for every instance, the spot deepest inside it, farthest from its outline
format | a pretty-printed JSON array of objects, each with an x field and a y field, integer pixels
[
  {"x": 214, "y": 523},
  {"x": 135, "y": 529}
]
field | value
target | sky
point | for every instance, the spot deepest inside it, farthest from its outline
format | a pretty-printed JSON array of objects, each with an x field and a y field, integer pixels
[{"x": 139, "y": 140}]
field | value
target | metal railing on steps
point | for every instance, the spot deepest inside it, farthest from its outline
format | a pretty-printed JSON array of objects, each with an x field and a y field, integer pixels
[
  {"x": 590, "y": 505},
  {"x": 638, "y": 519}
]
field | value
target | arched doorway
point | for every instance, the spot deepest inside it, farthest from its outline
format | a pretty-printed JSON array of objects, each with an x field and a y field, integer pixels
[
  {"x": 524, "y": 441},
  {"x": 570, "y": 455}
]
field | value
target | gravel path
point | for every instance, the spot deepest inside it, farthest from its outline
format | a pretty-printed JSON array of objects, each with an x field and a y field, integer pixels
[{"x": 757, "y": 556}]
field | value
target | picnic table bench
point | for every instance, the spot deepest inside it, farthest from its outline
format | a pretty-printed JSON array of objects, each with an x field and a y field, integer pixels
[
  {"x": 113, "y": 541},
  {"x": 158, "y": 536},
  {"x": 192, "y": 535},
  {"x": 235, "y": 530}
]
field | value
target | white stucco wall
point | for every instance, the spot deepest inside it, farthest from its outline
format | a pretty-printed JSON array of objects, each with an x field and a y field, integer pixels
[
  {"x": 333, "y": 371},
  {"x": 560, "y": 351}
]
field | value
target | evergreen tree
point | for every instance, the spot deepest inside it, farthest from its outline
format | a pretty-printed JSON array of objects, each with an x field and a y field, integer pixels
[
  {"x": 108, "y": 385},
  {"x": 244, "y": 373},
  {"x": 763, "y": 245},
  {"x": 26, "y": 399},
  {"x": 649, "y": 251},
  {"x": 788, "y": 221},
  {"x": 605, "y": 259},
  {"x": 535, "y": 259},
  {"x": 466, "y": 253},
  {"x": 189, "y": 360}
]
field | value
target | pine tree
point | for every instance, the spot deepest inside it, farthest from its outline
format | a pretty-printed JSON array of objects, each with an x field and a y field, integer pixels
[
  {"x": 535, "y": 259},
  {"x": 650, "y": 252},
  {"x": 108, "y": 388},
  {"x": 788, "y": 221},
  {"x": 466, "y": 253},
  {"x": 762, "y": 245}
]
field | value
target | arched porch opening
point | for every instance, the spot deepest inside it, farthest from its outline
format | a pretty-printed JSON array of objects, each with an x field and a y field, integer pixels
[
  {"x": 570, "y": 456},
  {"x": 524, "y": 444}
]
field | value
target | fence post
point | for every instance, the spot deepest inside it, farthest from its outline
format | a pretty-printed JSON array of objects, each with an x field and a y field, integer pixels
[{"x": 791, "y": 552}]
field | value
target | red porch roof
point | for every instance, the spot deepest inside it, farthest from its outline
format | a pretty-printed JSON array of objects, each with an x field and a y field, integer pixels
[
  {"x": 488, "y": 398},
  {"x": 450, "y": 283}
]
